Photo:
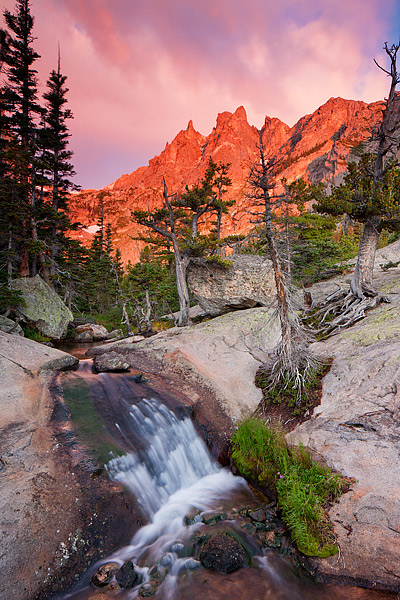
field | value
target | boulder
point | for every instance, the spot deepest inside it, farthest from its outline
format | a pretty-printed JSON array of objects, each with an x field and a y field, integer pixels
[
  {"x": 90, "y": 332},
  {"x": 111, "y": 361},
  {"x": 9, "y": 326},
  {"x": 43, "y": 307},
  {"x": 115, "y": 334},
  {"x": 248, "y": 282},
  {"x": 223, "y": 553}
]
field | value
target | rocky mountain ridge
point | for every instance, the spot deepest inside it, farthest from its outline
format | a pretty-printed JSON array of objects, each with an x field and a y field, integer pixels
[{"x": 317, "y": 147}]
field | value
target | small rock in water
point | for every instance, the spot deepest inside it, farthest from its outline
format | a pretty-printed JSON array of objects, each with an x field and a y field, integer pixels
[
  {"x": 147, "y": 590},
  {"x": 166, "y": 560},
  {"x": 223, "y": 553},
  {"x": 110, "y": 361},
  {"x": 210, "y": 518},
  {"x": 270, "y": 539},
  {"x": 126, "y": 575},
  {"x": 192, "y": 563},
  {"x": 257, "y": 515},
  {"x": 177, "y": 547},
  {"x": 104, "y": 574}
]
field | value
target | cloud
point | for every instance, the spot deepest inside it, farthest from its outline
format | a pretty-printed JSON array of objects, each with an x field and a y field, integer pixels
[{"x": 138, "y": 71}]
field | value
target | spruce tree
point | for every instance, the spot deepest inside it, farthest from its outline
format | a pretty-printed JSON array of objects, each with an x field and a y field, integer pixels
[
  {"x": 19, "y": 114},
  {"x": 57, "y": 169}
]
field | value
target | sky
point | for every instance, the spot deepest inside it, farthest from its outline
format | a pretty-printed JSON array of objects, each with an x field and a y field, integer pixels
[{"x": 139, "y": 70}]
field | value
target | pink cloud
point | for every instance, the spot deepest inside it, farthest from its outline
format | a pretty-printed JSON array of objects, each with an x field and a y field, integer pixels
[{"x": 138, "y": 71}]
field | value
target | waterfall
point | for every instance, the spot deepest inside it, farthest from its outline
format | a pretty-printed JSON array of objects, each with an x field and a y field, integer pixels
[
  {"x": 172, "y": 475},
  {"x": 173, "y": 457}
]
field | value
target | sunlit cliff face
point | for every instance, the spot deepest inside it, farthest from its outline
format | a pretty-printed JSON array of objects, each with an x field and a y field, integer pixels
[{"x": 317, "y": 147}]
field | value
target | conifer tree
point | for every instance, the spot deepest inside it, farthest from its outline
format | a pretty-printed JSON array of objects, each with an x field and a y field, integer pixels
[
  {"x": 19, "y": 113},
  {"x": 56, "y": 166},
  {"x": 367, "y": 193},
  {"x": 178, "y": 223},
  {"x": 291, "y": 362}
]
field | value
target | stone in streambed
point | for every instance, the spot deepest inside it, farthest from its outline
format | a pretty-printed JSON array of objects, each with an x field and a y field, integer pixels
[
  {"x": 223, "y": 553},
  {"x": 112, "y": 361},
  {"x": 126, "y": 575},
  {"x": 257, "y": 515},
  {"x": 90, "y": 332},
  {"x": 104, "y": 574}
]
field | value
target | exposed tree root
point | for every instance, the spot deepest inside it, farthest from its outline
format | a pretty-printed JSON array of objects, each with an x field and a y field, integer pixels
[
  {"x": 339, "y": 310},
  {"x": 287, "y": 368}
]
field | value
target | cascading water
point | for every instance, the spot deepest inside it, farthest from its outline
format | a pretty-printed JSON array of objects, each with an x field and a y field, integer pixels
[{"x": 171, "y": 476}]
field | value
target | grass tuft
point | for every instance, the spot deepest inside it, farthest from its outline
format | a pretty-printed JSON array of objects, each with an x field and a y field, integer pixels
[{"x": 303, "y": 488}]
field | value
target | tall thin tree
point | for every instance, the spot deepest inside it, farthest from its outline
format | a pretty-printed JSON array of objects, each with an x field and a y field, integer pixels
[{"x": 20, "y": 111}]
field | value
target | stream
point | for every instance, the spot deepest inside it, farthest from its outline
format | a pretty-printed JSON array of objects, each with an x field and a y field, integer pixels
[{"x": 152, "y": 449}]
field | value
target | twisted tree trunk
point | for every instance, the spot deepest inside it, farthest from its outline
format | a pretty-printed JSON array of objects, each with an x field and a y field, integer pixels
[{"x": 362, "y": 281}]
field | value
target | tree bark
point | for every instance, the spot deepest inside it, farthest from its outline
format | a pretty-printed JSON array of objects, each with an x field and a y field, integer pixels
[
  {"x": 362, "y": 281},
  {"x": 181, "y": 285}
]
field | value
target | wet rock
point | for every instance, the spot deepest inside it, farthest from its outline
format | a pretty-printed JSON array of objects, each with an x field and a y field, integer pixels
[
  {"x": 270, "y": 539},
  {"x": 257, "y": 515},
  {"x": 104, "y": 574},
  {"x": 147, "y": 590},
  {"x": 223, "y": 553},
  {"x": 111, "y": 361},
  {"x": 43, "y": 307},
  {"x": 126, "y": 575},
  {"x": 210, "y": 518}
]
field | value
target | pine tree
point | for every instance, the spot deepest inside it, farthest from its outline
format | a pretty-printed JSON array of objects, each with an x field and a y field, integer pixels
[
  {"x": 291, "y": 362},
  {"x": 19, "y": 113},
  {"x": 368, "y": 191},
  {"x": 178, "y": 223},
  {"x": 57, "y": 169}
]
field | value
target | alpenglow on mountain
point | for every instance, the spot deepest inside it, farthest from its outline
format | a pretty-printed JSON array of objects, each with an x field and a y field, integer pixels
[{"x": 317, "y": 147}]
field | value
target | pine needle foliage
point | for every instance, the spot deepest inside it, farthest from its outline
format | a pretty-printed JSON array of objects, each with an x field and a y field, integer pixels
[{"x": 303, "y": 488}]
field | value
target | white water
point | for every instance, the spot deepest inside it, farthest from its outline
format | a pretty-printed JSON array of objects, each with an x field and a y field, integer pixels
[{"x": 172, "y": 476}]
